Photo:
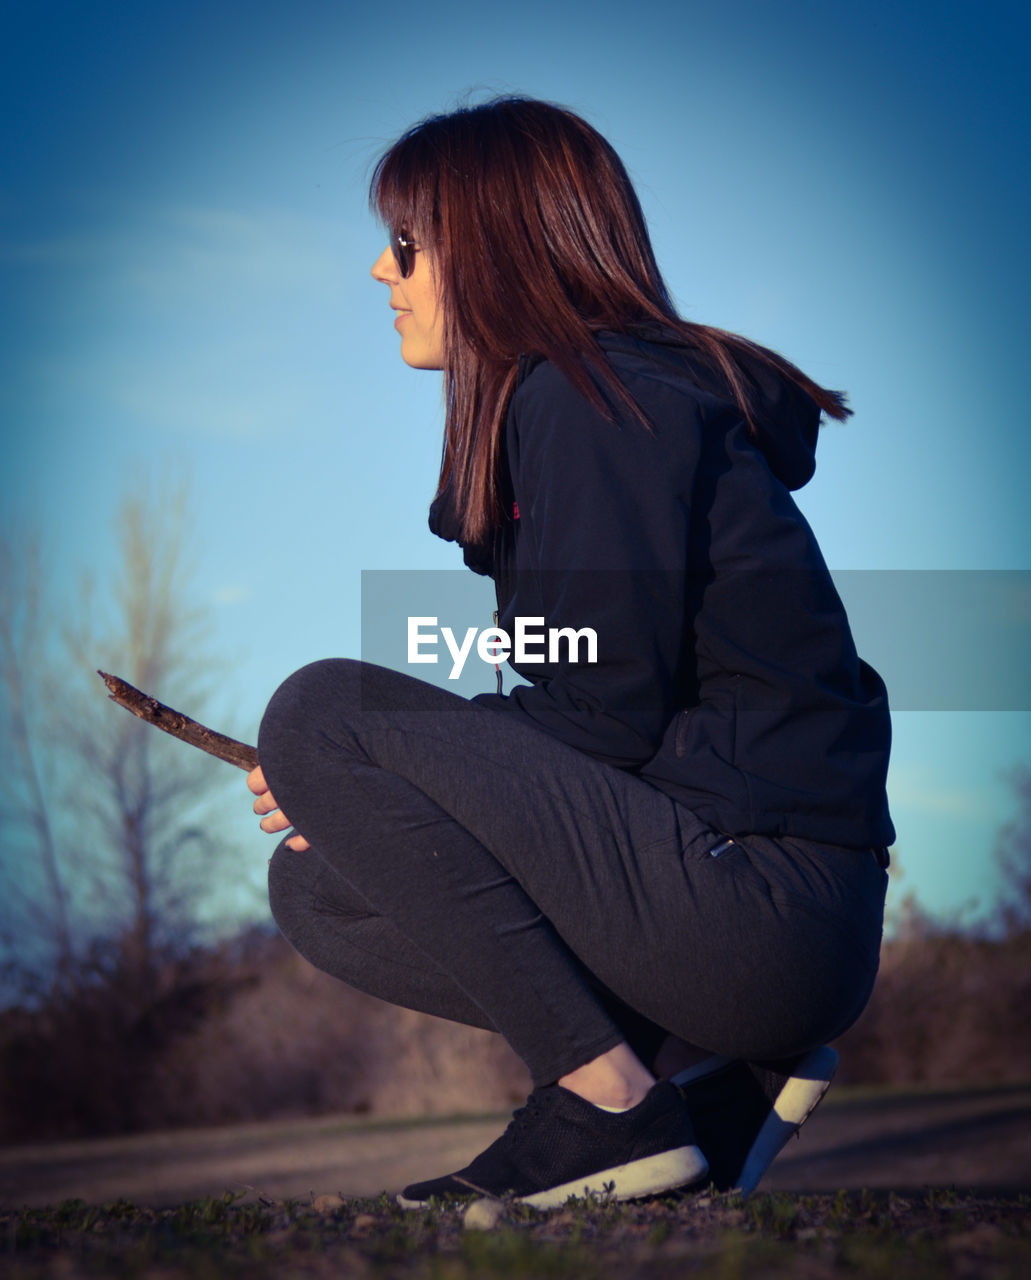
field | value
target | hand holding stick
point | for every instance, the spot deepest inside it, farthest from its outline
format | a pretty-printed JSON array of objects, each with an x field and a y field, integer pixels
[{"x": 215, "y": 744}]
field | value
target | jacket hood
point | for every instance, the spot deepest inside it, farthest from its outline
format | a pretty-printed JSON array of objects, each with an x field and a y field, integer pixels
[
  {"x": 787, "y": 424},
  {"x": 787, "y": 418}
]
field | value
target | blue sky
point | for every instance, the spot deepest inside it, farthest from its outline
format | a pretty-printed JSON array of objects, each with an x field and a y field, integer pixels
[{"x": 185, "y": 244}]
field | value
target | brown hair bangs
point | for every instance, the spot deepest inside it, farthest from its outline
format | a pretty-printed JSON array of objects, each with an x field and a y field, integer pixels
[{"x": 538, "y": 242}]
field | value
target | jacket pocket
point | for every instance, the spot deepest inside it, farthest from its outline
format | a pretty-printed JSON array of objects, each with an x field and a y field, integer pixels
[
  {"x": 710, "y": 726},
  {"x": 683, "y": 727}
]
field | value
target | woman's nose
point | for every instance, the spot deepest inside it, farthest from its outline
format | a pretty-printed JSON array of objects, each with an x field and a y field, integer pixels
[{"x": 384, "y": 269}]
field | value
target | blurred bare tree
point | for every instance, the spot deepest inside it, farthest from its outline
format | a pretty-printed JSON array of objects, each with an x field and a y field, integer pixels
[
  {"x": 104, "y": 822},
  {"x": 27, "y": 772},
  {"x": 1013, "y": 854}
]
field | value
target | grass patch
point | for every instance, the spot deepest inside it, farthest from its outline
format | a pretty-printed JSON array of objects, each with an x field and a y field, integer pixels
[{"x": 861, "y": 1234}]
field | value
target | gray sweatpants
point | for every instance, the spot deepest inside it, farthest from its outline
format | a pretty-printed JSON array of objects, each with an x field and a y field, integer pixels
[{"x": 473, "y": 867}]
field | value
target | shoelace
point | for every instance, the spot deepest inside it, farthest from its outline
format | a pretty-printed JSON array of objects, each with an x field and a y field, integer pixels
[{"x": 524, "y": 1117}]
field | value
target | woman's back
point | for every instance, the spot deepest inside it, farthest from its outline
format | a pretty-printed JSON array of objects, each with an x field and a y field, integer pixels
[{"x": 726, "y": 670}]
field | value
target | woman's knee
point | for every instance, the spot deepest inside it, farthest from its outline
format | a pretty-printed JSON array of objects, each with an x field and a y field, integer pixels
[{"x": 303, "y": 705}]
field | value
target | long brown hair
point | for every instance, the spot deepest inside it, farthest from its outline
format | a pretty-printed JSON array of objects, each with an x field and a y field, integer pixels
[{"x": 538, "y": 243}]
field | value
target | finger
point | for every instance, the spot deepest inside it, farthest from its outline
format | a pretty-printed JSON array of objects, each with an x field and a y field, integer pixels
[
  {"x": 298, "y": 844},
  {"x": 277, "y": 821},
  {"x": 256, "y": 780},
  {"x": 265, "y": 803}
]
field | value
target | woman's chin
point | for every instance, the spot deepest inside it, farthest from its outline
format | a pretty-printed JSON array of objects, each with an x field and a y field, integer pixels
[{"x": 417, "y": 359}]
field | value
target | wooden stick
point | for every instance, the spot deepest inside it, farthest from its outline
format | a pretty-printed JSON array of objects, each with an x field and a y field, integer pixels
[{"x": 178, "y": 725}]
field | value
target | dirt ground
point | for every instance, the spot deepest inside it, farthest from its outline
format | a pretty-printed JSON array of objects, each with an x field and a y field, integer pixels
[{"x": 858, "y": 1138}]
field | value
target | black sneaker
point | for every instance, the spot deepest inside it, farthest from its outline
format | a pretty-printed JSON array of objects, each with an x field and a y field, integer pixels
[
  {"x": 559, "y": 1145},
  {"x": 744, "y": 1113}
]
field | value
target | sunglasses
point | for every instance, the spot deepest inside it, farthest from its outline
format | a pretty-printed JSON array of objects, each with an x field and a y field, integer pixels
[{"x": 404, "y": 251}]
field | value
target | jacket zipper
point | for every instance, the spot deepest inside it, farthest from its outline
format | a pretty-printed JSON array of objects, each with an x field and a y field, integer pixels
[{"x": 497, "y": 665}]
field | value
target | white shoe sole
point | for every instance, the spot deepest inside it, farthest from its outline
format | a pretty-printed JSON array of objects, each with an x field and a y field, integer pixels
[
  {"x": 649, "y": 1176},
  {"x": 794, "y": 1105}
]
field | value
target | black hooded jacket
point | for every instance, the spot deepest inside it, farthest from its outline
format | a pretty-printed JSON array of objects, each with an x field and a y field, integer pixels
[{"x": 726, "y": 673}]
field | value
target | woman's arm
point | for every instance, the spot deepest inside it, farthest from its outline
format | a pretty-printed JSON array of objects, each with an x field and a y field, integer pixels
[{"x": 602, "y": 543}]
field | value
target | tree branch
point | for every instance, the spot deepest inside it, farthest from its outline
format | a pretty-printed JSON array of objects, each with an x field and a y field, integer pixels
[{"x": 178, "y": 725}]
